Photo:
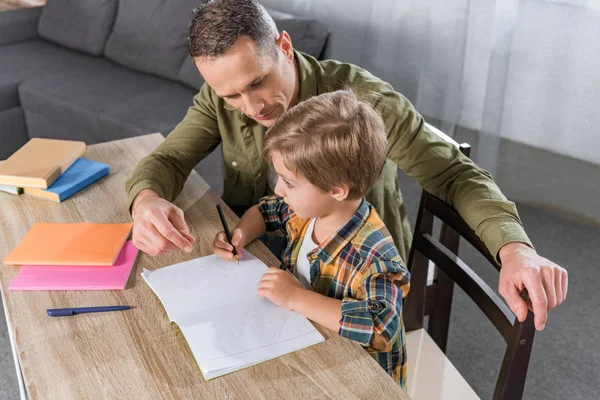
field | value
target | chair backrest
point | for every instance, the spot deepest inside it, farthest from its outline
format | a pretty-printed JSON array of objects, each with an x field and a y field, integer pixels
[{"x": 435, "y": 298}]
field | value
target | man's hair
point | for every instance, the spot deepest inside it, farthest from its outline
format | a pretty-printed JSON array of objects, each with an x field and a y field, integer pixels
[
  {"x": 218, "y": 24},
  {"x": 331, "y": 139}
]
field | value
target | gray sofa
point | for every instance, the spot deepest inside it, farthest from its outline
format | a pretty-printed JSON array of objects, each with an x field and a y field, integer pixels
[{"x": 99, "y": 70}]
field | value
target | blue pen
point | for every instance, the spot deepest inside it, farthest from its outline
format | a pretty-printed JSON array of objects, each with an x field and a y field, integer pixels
[{"x": 67, "y": 312}]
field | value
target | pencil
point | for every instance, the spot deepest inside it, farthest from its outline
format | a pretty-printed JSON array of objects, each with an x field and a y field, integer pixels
[{"x": 227, "y": 233}]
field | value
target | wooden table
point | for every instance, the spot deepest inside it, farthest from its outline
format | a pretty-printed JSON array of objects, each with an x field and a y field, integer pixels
[{"x": 139, "y": 353}]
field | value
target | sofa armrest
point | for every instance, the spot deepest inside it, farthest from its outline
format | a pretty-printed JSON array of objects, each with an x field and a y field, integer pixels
[{"x": 18, "y": 25}]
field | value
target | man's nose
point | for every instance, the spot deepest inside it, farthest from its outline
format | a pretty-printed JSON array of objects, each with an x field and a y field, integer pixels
[{"x": 253, "y": 107}]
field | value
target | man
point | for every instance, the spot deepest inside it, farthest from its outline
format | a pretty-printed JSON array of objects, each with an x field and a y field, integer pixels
[{"x": 252, "y": 76}]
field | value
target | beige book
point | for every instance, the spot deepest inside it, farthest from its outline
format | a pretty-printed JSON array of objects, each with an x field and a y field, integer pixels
[{"x": 40, "y": 162}]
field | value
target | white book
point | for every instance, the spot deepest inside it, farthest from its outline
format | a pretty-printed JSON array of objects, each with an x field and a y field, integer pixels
[{"x": 226, "y": 324}]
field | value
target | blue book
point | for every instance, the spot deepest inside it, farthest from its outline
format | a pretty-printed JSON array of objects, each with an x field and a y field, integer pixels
[{"x": 80, "y": 175}]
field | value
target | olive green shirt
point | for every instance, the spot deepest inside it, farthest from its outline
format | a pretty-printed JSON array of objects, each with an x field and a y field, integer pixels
[{"x": 440, "y": 167}]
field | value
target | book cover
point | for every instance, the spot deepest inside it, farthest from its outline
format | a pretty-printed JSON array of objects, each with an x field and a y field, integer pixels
[
  {"x": 80, "y": 175},
  {"x": 51, "y": 243},
  {"x": 40, "y": 162},
  {"x": 36, "y": 277}
]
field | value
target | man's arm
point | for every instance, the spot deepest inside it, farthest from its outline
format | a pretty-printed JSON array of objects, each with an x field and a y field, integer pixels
[
  {"x": 166, "y": 169},
  {"x": 445, "y": 172},
  {"x": 158, "y": 225}
]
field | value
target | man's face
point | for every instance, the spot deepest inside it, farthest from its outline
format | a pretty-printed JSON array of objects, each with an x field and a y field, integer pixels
[{"x": 252, "y": 81}]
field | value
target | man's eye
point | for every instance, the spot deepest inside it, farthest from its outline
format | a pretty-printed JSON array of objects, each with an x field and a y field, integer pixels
[{"x": 256, "y": 84}]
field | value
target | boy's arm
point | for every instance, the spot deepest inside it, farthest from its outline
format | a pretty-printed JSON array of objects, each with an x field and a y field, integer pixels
[
  {"x": 252, "y": 225},
  {"x": 375, "y": 319},
  {"x": 275, "y": 213},
  {"x": 325, "y": 311},
  {"x": 318, "y": 308}
]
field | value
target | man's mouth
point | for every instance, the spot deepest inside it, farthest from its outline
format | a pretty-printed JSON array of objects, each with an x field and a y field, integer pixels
[{"x": 264, "y": 117}]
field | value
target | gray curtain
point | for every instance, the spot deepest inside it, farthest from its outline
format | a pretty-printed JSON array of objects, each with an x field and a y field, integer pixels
[
  {"x": 525, "y": 74},
  {"x": 417, "y": 46}
]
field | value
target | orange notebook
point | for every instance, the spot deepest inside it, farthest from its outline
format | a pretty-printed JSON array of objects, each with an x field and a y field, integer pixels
[
  {"x": 70, "y": 244},
  {"x": 40, "y": 162}
]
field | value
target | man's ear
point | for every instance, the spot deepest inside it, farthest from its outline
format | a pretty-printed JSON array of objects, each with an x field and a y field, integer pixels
[
  {"x": 284, "y": 43},
  {"x": 340, "y": 193}
]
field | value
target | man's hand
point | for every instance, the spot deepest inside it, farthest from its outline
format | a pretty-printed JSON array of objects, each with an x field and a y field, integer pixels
[
  {"x": 159, "y": 226},
  {"x": 280, "y": 287},
  {"x": 546, "y": 282},
  {"x": 223, "y": 249}
]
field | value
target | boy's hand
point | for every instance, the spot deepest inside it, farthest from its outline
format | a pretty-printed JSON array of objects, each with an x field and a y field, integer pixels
[
  {"x": 280, "y": 287},
  {"x": 223, "y": 249}
]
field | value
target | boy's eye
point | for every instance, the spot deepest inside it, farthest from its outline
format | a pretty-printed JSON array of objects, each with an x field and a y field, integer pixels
[{"x": 289, "y": 185}]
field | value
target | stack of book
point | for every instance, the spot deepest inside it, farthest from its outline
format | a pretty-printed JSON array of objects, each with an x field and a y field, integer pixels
[
  {"x": 50, "y": 169},
  {"x": 73, "y": 256}
]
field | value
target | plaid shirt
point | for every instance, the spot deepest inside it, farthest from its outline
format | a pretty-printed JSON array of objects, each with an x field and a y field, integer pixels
[{"x": 359, "y": 265}]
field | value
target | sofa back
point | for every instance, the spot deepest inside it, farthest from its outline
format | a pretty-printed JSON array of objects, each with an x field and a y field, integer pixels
[
  {"x": 78, "y": 25},
  {"x": 150, "y": 35}
]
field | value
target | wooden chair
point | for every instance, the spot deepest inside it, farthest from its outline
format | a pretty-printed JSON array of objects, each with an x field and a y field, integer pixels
[{"x": 435, "y": 267}]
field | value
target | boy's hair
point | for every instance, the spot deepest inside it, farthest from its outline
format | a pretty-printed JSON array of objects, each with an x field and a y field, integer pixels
[
  {"x": 218, "y": 24},
  {"x": 331, "y": 139}
]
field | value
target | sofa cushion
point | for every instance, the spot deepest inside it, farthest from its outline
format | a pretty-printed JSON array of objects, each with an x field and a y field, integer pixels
[
  {"x": 102, "y": 101},
  {"x": 34, "y": 58},
  {"x": 13, "y": 134},
  {"x": 79, "y": 25},
  {"x": 308, "y": 36},
  {"x": 150, "y": 36}
]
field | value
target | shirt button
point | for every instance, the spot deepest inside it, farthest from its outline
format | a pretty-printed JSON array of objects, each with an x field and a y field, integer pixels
[
  {"x": 247, "y": 134},
  {"x": 258, "y": 175},
  {"x": 234, "y": 164}
]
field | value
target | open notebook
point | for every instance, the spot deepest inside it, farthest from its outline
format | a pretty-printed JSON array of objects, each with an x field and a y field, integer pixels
[{"x": 226, "y": 324}]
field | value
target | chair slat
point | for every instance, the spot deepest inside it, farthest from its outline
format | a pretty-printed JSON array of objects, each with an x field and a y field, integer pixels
[{"x": 485, "y": 298}]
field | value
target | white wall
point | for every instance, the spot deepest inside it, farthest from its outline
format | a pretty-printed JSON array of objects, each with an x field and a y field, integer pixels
[{"x": 553, "y": 78}]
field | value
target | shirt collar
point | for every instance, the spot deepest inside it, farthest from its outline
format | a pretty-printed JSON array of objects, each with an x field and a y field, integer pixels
[{"x": 335, "y": 243}]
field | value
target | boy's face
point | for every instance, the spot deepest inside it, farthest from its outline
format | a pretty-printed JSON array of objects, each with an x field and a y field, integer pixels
[{"x": 304, "y": 198}]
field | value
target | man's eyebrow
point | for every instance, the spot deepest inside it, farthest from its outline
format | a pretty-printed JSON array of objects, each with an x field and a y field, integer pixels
[{"x": 248, "y": 85}]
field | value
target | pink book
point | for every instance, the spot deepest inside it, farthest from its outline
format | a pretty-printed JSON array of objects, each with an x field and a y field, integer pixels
[{"x": 41, "y": 277}]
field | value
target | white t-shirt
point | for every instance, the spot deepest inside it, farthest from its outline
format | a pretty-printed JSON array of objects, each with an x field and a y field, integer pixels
[{"x": 302, "y": 268}]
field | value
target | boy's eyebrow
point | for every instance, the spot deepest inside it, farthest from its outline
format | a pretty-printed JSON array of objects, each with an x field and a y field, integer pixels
[
  {"x": 247, "y": 86},
  {"x": 284, "y": 177}
]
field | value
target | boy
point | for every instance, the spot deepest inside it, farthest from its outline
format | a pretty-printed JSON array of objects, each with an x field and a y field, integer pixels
[{"x": 327, "y": 152}]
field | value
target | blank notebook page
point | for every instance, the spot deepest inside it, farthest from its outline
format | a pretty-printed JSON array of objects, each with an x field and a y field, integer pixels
[{"x": 226, "y": 324}]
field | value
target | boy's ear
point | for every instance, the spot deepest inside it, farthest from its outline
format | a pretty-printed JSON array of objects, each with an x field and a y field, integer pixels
[{"x": 340, "y": 193}]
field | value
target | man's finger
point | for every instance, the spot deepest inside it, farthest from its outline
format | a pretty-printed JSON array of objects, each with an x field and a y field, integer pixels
[
  {"x": 565, "y": 283},
  {"x": 178, "y": 220},
  {"x": 533, "y": 284},
  {"x": 516, "y": 304},
  {"x": 549, "y": 288},
  {"x": 158, "y": 242},
  {"x": 558, "y": 285},
  {"x": 189, "y": 237},
  {"x": 169, "y": 232}
]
